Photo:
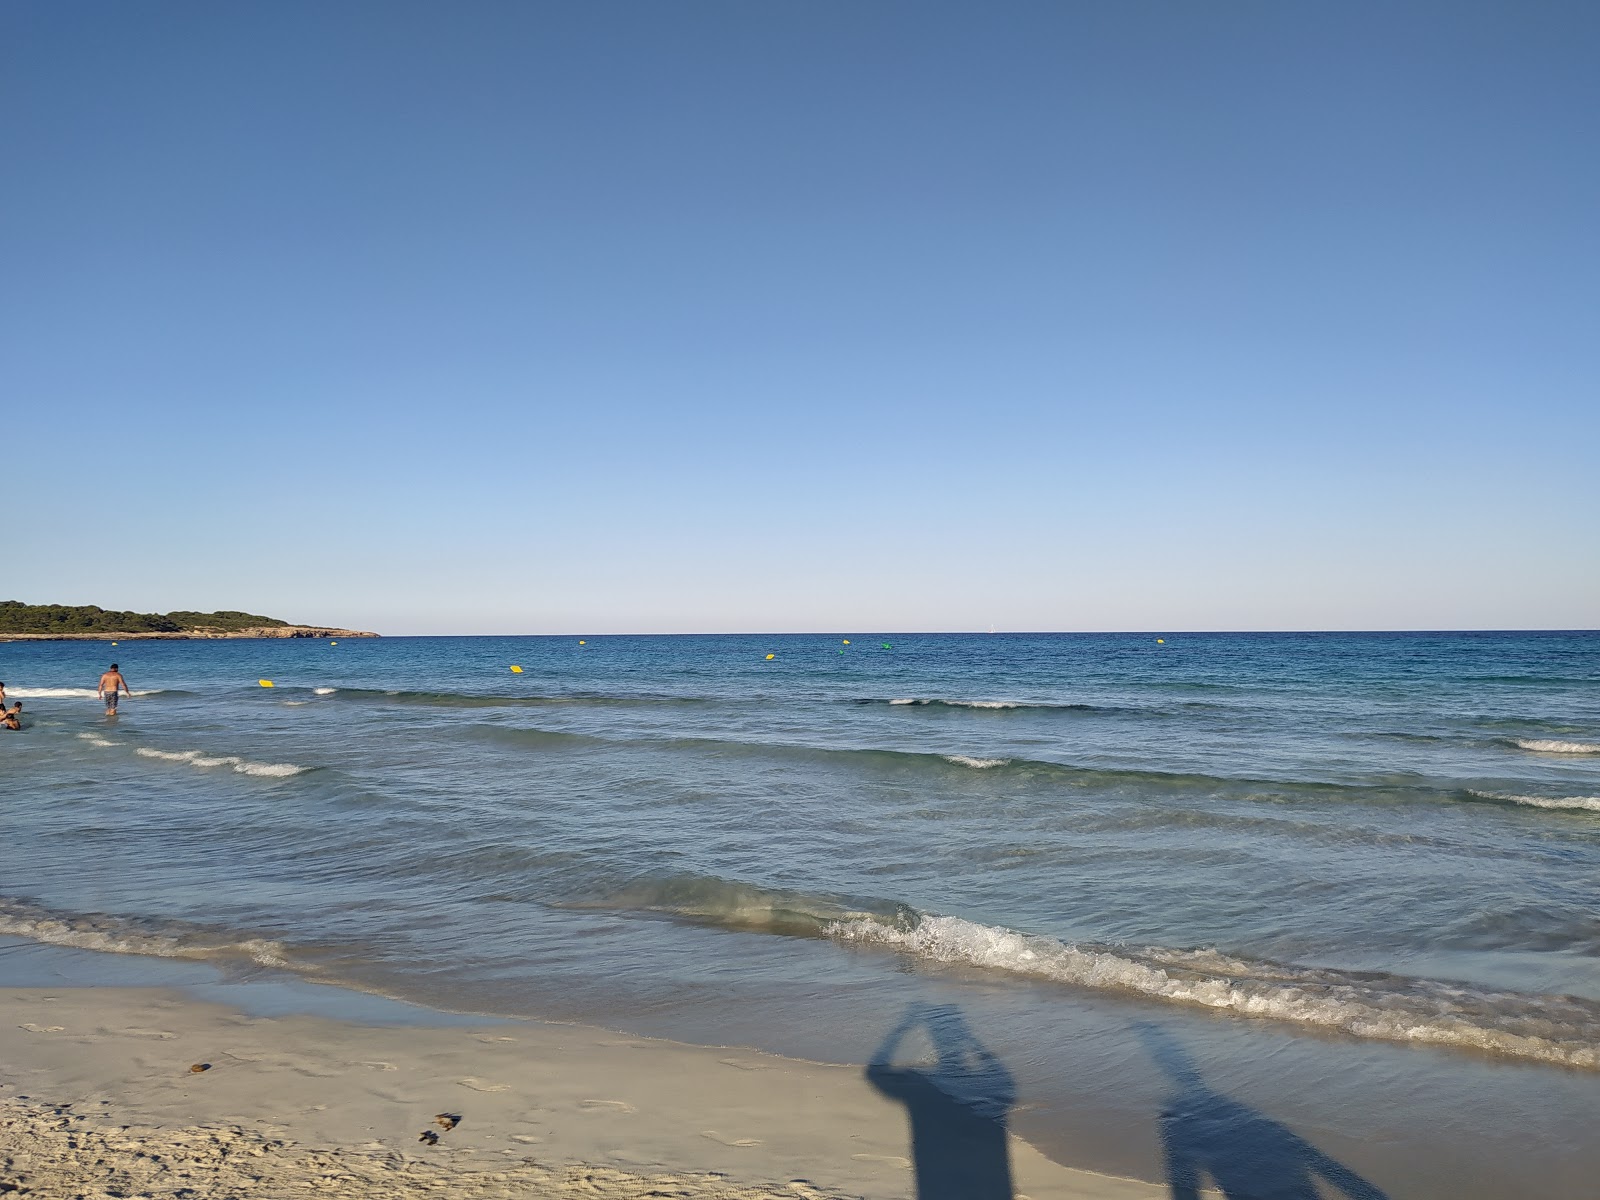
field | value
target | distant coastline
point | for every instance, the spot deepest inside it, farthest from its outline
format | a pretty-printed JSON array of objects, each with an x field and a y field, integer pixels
[
  {"x": 272, "y": 631},
  {"x": 89, "y": 622}
]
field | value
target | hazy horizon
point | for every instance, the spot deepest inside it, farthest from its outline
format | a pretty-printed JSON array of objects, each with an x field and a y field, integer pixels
[{"x": 865, "y": 631}]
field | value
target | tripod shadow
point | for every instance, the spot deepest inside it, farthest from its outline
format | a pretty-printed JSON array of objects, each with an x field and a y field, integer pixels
[
  {"x": 957, "y": 1107},
  {"x": 1247, "y": 1155}
]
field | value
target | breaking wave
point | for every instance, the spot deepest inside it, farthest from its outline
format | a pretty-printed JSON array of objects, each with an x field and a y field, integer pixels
[
  {"x": 94, "y": 739},
  {"x": 119, "y": 935},
  {"x": 199, "y": 758},
  {"x": 1569, "y": 803},
  {"x": 1557, "y": 746},
  {"x": 323, "y": 691},
  {"x": 706, "y": 900},
  {"x": 1556, "y": 1029},
  {"x": 938, "y": 702},
  {"x": 964, "y": 760}
]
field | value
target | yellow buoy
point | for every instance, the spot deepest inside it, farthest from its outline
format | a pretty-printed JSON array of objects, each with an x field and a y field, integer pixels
[
  {"x": 770, "y": 657},
  {"x": 847, "y": 641},
  {"x": 266, "y": 683},
  {"x": 581, "y": 642},
  {"x": 516, "y": 670},
  {"x": 1161, "y": 641},
  {"x": 333, "y": 643},
  {"x": 113, "y": 643}
]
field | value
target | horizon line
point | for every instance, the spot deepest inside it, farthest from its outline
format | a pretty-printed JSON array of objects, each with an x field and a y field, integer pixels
[{"x": 863, "y": 631}]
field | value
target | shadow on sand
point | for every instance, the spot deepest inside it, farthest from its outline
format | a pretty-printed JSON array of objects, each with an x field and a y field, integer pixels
[
  {"x": 1246, "y": 1154},
  {"x": 957, "y": 1106}
]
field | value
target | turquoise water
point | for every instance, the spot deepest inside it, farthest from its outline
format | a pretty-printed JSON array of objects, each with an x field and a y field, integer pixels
[{"x": 1376, "y": 856}]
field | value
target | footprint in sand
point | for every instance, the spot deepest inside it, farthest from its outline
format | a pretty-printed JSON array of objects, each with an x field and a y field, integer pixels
[
  {"x": 526, "y": 1139},
  {"x": 161, "y": 1035},
  {"x": 736, "y": 1142},
  {"x": 892, "y": 1159},
  {"x": 378, "y": 1065},
  {"x": 479, "y": 1085},
  {"x": 615, "y": 1105},
  {"x": 32, "y": 1028}
]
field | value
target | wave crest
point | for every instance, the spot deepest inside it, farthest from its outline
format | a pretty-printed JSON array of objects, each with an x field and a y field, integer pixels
[
  {"x": 707, "y": 900},
  {"x": 1569, "y": 803},
  {"x": 119, "y": 935},
  {"x": 199, "y": 758},
  {"x": 1557, "y": 746},
  {"x": 941, "y": 702},
  {"x": 1557, "y": 1029}
]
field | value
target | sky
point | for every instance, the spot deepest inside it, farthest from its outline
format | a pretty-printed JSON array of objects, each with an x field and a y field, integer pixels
[{"x": 728, "y": 316}]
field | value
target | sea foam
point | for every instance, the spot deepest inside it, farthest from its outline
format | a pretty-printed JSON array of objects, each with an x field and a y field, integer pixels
[
  {"x": 1557, "y": 1029},
  {"x": 117, "y": 935},
  {"x": 961, "y": 703},
  {"x": 1569, "y": 803},
  {"x": 1557, "y": 746},
  {"x": 965, "y": 760},
  {"x": 199, "y": 758}
]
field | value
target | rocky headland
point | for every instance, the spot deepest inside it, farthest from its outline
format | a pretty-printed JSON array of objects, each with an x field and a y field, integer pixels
[{"x": 90, "y": 622}]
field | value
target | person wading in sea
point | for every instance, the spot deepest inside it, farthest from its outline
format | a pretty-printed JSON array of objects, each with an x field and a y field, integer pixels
[{"x": 109, "y": 683}]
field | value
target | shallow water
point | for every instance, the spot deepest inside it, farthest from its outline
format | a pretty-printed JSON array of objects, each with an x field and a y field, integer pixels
[{"x": 1364, "y": 860}]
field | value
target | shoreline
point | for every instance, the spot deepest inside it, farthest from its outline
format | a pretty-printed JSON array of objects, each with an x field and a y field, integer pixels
[{"x": 96, "y": 1086}]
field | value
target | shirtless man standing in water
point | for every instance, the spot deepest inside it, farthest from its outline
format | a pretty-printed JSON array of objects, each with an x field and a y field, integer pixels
[{"x": 109, "y": 683}]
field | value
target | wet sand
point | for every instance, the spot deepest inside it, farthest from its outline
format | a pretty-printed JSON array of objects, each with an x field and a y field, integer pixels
[{"x": 98, "y": 1096}]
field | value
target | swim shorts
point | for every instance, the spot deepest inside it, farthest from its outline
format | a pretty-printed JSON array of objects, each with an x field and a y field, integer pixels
[{"x": 111, "y": 700}]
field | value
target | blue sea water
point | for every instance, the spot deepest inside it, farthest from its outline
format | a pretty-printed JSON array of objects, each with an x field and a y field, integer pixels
[{"x": 1372, "y": 860}]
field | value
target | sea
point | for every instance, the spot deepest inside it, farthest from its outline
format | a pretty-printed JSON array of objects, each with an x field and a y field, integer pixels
[{"x": 1343, "y": 888}]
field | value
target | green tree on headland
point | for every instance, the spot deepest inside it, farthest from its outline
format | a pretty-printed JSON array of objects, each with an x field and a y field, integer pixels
[{"x": 17, "y": 617}]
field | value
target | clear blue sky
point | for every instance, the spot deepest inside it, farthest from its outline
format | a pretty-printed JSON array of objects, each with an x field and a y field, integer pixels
[{"x": 654, "y": 316}]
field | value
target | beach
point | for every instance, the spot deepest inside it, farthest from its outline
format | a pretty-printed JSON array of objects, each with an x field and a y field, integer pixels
[
  {"x": 1294, "y": 902},
  {"x": 98, "y": 1096}
]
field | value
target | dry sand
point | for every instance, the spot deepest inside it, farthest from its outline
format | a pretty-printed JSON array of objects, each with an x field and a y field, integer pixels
[{"x": 97, "y": 1099}]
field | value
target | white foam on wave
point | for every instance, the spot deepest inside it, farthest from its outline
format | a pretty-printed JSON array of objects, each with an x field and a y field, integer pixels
[
  {"x": 1570, "y": 803},
  {"x": 199, "y": 758},
  {"x": 94, "y": 739},
  {"x": 961, "y": 703},
  {"x": 323, "y": 691},
  {"x": 118, "y": 936},
  {"x": 1557, "y": 746},
  {"x": 965, "y": 760},
  {"x": 66, "y": 693},
  {"x": 1558, "y": 1029}
]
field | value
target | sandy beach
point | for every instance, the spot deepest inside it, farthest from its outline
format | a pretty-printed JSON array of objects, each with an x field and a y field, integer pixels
[{"x": 99, "y": 1097}]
